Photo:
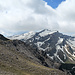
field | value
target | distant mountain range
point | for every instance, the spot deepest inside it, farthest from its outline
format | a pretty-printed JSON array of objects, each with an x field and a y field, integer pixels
[{"x": 57, "y": 46}]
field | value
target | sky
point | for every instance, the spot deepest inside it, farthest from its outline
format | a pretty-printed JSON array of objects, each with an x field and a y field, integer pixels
[
  {"x": 53, "y": 3},
  {"x": 18, "y": 16}
]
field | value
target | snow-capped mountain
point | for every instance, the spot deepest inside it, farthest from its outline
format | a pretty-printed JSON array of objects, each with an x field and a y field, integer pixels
[
  {"x": 24, "y": 36},
  {"x": 58, "y": 47}
]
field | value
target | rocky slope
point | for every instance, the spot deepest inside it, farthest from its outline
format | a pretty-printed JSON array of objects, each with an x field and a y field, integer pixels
[
  {"x": 18, "y": 58},
  {"x": 58, "y": 47},
  {"x": 70, "y": 68}
]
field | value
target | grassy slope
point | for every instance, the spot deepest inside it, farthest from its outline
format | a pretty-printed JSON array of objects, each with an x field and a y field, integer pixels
[{"x": 13, "y": 62}]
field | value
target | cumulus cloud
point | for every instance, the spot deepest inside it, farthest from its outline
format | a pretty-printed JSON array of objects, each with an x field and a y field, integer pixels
[
  {"x": 67, "y": 16},
  {"x": 27, "y": 15}
]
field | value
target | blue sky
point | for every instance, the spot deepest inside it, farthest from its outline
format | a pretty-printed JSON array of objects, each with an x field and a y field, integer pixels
[{"x": 53, "y": 3}]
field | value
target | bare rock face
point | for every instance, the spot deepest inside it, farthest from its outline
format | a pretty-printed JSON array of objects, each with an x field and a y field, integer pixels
[{"x": 69, "y": 68}]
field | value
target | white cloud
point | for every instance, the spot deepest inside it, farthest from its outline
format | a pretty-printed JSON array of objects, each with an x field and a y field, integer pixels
[
  {"x": 27, "y": 15},
  {"x": 67, "y": 16}
]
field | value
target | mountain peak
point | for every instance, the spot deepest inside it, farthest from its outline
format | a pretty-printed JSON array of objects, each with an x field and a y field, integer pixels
[{"x": 46, "y": 32}]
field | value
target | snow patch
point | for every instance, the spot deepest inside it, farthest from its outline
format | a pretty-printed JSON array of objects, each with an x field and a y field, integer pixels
[
  {"x": 50, "y": 56},
  {"x": 74, "y": 54},
  {"x": 46, "y": 32},
  {"x": 72, "y": 42},
  {"x": 71, "y": 45},
  {"x": 59, "y": 48},
  {"x": 47, "y": 39},
  {"x": 70, "y": 58},
  {"x": 64, "y": 56},
  {"x": 24, "y": 36},
  {"x": 60, "y": 59},
  {"x": 37, "y": 38},
  {"x": 44, "y": 49},
  {"x": 39, "y": 44},
  {"x": 68, "y": 51},
  {"x": 60, "y": 40}
]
